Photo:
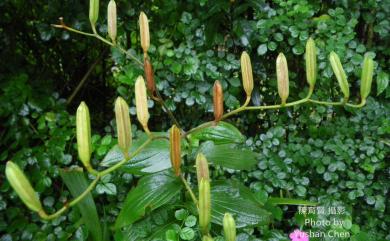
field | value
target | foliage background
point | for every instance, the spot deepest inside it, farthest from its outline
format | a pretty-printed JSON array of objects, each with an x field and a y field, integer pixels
[{"x": 335, "y": 155}]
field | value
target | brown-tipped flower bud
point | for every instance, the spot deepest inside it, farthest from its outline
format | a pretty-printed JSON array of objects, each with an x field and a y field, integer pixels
[
  {"x": 144, "y": 31},
  {"x": 111, "y": 20},
  {"x": 246, "y": 72},
  {"x": 175, "y": 146},
  {"x": 93, "y": 11},
  {"x": 340, "y": 74},
  {"x": 141, "y": 101},
  {"x": 150, "y": 84},
  {"x": 229, "y": 227},
  {"x": 202, "y": 167},
  {"x": 123, "y": 124},
  {"x": 204, "y": 206},
  {"x": 311, "y": 63},
  {"x": 282, "y": 77},
  {"x": 22, "y": 187},
  {"x": 83, "y": 129},
  {"x": 366, "y": 77},
  {"x": 218, "y": 101}
]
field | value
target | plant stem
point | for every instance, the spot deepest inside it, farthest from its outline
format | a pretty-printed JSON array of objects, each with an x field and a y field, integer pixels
[
  {"x": 189, "y": 190},
  {"x": 72, "y": 203}
]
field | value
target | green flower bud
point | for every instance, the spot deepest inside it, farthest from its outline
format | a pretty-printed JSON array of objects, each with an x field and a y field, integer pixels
[
  {"x": 123, "y": 124},
  {"x": 366, "y": 78},
  {"x": 246, "y": 72},
  {"x": 93, "y": 11},
  {"x": 83, "y": 129},
  {"x": 22, "y": 187},
  {"x": 202, "y": 167},
  {"x": 144, "y": 31},
  {"x": 340, "y": 74},
  {"x": 207, "y": 238},
  {"x": 229, "y": 227},
  {"x": 175, "y": 149},
  {"x": 311, "y": 63},
  {"x": 282, "y": 77},
  {"x": 204, "y": 206},
  {"x": 141, "y": 101},
  {"x": 111, "y": 20}
]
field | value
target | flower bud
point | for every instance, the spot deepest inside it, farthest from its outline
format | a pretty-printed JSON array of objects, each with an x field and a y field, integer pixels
[
  {"x": 22, "y": 187},
  {"x": 150, "y": 84},
  {"x": 141, "y": 102},
  {"x": 111, "y": 20},
  {"x": 175, "y": 145},
  {"x": 246, "y": 72},
  {"x": 311, "y": 63},
  {"x": 282, "y": 76},
  {"x": 229, "y": 227},
  {"x": 340, "y": 74},
  {"x": 83, "y": 129},
  {"x": 366, "y": 78},
  {"x": 144, "y": 31},
  {"x": 218, "y": 100},
  {"x": 207, "y": 238},
  {"x": 123, "y": 124},
  {"x": 204, "y": 205},
  {"x": 202, "y": 167},
  {"x": 93, "y": 11}
]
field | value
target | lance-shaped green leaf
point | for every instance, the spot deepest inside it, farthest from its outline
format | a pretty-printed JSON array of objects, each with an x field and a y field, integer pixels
[
  {"x": 152, "y": 192},
  {"x": 340, "y": 74},
  {"x": 155, "y": 157},
  {"x": 76, "y": 182},
  {"x": 366, "y": 78},
  {"x": 233, "y": 197},
  {"x": 221, "y": 133},
  {"x": 229, "y": 155}
]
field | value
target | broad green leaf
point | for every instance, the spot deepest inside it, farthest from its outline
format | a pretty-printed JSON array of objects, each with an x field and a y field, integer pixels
[
  {"x": 75, "y": 181},
  {"x": 220, "y": 134},
  {"x": 152, "y": 227},
  {"x": 152, "y": 192},
  {"x": 233, "y": 197},
  {"x": 229, "y": 156},
  {"x": 153, "y": 158},
  {"x": 290, "y": 201}
]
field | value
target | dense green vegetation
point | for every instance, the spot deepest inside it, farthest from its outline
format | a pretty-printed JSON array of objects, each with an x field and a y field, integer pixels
[{"x": 335, "y": 155}]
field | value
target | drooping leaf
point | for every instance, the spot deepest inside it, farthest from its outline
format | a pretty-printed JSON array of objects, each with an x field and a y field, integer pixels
[
  {"x": 229, "y": 156},
  {"x": 152, "y": 192},
  {"x": 153, "y": 158},
  {"x": 233, "y": 197},
  {"x": 220, "y": 134},
  {"x": 382, "y": 81},
  {"x": 290, "y": 201},
  {"x": 75, "y": 181}
]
